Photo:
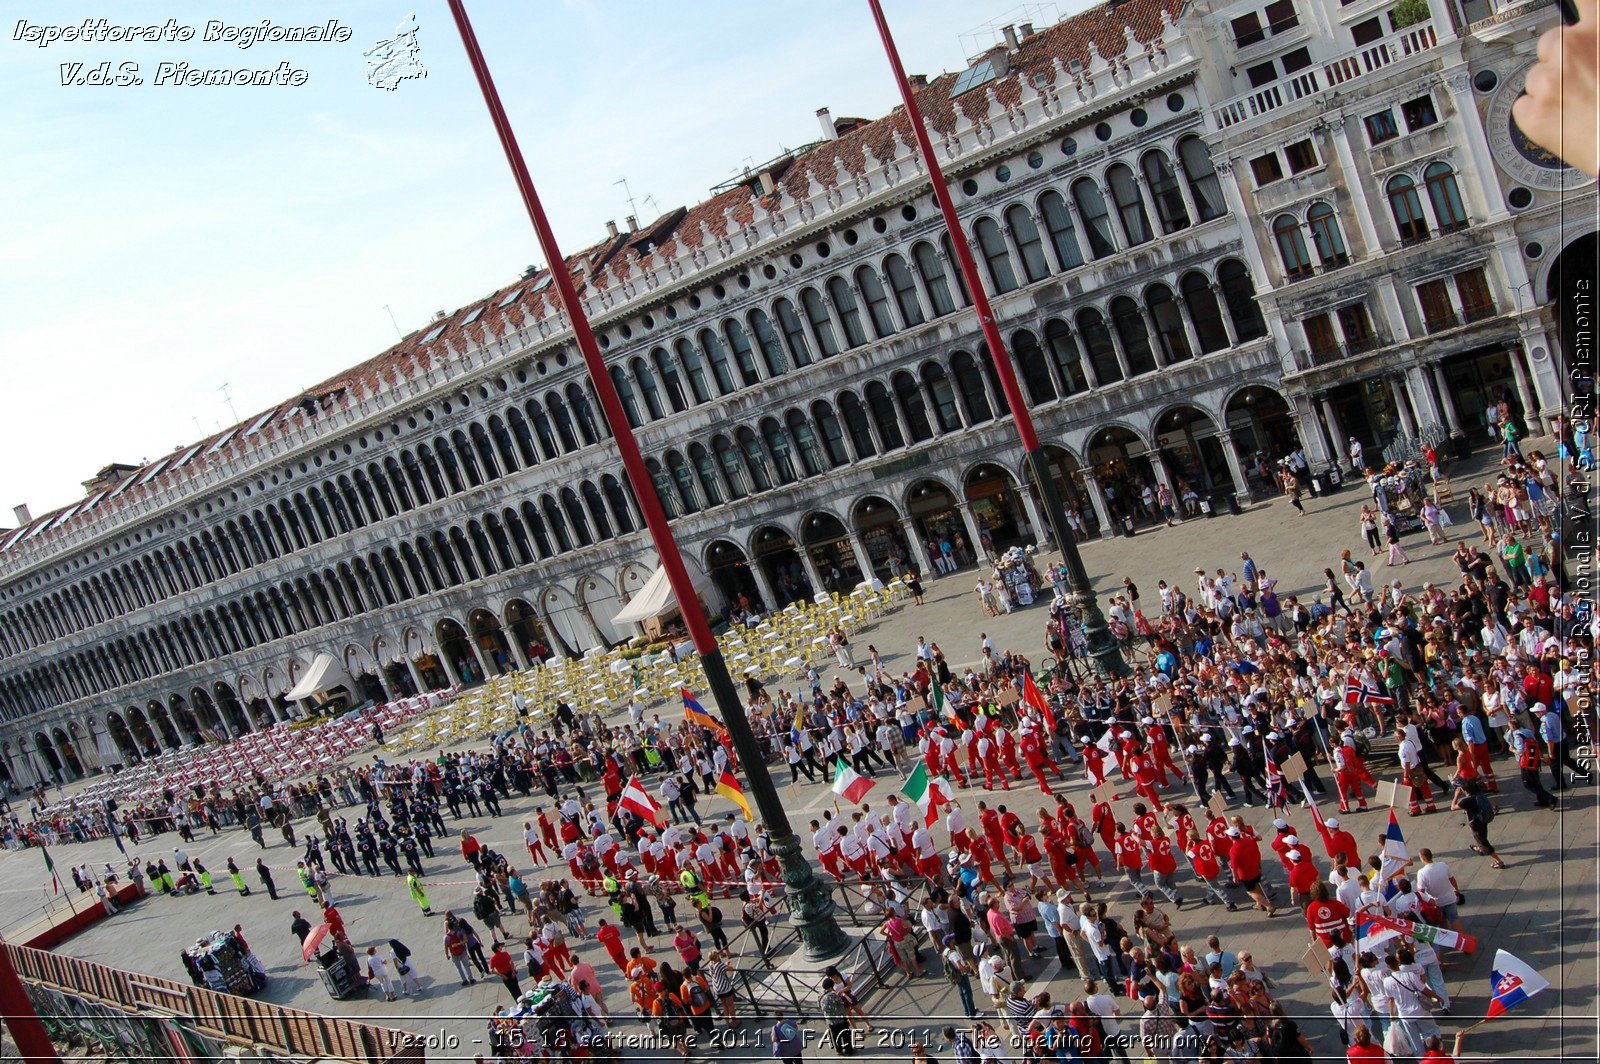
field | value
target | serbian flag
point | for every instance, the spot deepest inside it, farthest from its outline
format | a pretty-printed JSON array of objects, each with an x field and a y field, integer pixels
[
  {"x": 928, "y": 794},
  {"x": 698, "y": 716},
  {"x": 1396, "y": 858},
  {"x": 1358, "y": 693},
  {"x": 850, "y": 784},
  {"x": 1035, "y": 698},
  {"x": 1513, "y": 983},
  {"x": 635, "y": 799},
  {"x": 729, "y": 788}
]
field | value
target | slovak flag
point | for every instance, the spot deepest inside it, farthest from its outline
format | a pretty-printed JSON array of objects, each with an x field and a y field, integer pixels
[
  {"x": 1513, "y": 983},
  {"x": 1359, "y": 693}
]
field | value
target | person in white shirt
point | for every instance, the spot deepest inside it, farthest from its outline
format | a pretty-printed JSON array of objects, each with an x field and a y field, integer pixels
[
  {"x": 1105, "y": 1007},
  {"x": 991, "y": 975}
]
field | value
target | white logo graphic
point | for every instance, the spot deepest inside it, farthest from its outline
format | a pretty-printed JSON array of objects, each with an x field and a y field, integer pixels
[{"x": 393, "y": 61}]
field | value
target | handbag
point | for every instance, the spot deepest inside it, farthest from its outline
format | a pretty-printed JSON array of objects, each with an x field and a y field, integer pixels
[{"x": 1396, "y": 1043}]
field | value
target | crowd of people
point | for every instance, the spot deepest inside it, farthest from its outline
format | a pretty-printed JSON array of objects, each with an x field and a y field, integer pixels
[{"x": 1240, "y": 695}]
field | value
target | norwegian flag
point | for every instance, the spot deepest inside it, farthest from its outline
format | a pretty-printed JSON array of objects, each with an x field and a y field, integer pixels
[{"x": 1359, "y": 693}]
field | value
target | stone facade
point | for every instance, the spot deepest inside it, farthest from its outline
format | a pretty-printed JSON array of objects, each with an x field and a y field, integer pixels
[{"x": 809, "y": 386}]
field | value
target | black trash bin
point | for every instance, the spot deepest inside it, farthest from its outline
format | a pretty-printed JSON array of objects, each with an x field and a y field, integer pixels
[
  {"x": 1127, "y": 527},
  {"x": 1460, "y": 447},
  {"x": 1207, "y": 507},
  {"x": 1319, "y": 484},
  {"x": 1233, "y": 503}
]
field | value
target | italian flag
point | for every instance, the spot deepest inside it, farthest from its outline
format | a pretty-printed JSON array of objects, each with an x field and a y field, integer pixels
[
  {"x": 55, "y": 880},
  {"x": 849, "y": 784},
  {"x": 929, "y": 794},
  {"x": 942, "y": 707}
]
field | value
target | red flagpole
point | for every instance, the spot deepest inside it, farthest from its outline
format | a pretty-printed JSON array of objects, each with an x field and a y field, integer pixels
[
  {"x": 810, "y": 902},
  {"x": 1108, "y": 658}
]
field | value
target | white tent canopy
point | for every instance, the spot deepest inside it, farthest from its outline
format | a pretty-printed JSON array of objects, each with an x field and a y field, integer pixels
[
  {"x": 652, "y": 600},
  {"x": 324, "y": 675}
]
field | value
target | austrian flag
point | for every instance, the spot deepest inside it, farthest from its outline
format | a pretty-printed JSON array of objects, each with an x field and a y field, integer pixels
[{"x": 635, "y": 799}]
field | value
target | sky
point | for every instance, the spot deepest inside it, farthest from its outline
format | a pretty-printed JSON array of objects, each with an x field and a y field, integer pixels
[{"x": 164, "y": 242}]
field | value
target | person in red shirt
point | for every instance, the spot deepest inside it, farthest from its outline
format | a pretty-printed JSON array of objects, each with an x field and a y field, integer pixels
[
  {"x": 1104, "y": 823},
  {"x": 1183, "y": 826},
  {"x": 1163, "y": 863},
  {"x": 1094, "y": 762},
  {"x": 1303, "y": 875},
  {"x": 1363, "y": 1046},
  {"x": 1130, "y": 858},
  {"x": 1284, "y": 841},
  {"x": 1336, "y": 840},
  {"x": 1203, "y": 857},
  {"x": 1028, "y": 847},
  {"x": 1433, "y": 1048},
  {"x": 1144, "y": 774},
  {"x": 501, "y": 964},
  {"x": 1328, "y": 918},
  {"x": 1538, "y": 685},
  {"x": 609, "y": 936},
  {"x": 470, "y": 848},
  {"x": 1033, "y": 754},
  {"x": 1145, "y": 823},
  {"x": 1244, "y": 858},
  {"x": 994, "y": 835}
]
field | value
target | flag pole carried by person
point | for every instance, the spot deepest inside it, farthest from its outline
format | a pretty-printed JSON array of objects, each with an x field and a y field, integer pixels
[{"x": 1511, "y": 982}]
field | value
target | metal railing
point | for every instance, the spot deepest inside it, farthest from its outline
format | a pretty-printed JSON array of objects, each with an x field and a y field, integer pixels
[{"x": 1409, "y": 448}]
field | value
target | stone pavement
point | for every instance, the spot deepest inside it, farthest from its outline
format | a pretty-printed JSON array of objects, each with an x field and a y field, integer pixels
[{"x": 1542, "y": 907}]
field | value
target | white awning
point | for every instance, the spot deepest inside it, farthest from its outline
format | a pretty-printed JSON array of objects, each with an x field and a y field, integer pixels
[
  {"x": 324, "y": 675},
  {"x": 653, "y": 600}
]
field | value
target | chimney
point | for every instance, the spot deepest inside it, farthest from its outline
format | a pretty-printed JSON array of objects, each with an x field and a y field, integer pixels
[
  {"x": 611, "y": 227},
  {"x": 768, "y": 186},
  {"x": 633, "y": 223},
  {"x": 22, "y": 514},
  {"x": 1025, "y": 30},
  {"x": 1010, "y": 34},
  {"x": 918, "y": 81},
  {"x": 439, "y": 315},
  {"x": 825, "y": 118}
]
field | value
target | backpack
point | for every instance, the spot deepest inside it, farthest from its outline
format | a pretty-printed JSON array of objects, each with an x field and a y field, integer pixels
[
  {"x": 1485, "y": 807},
  {"x": 698, "y": 998},
  {"x": 952, "y": 974}
]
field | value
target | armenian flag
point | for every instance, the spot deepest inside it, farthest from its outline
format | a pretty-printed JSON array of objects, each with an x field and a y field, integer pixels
[
  {"x": 728, "y": 787},
  {"x": 697, "y": 715}
]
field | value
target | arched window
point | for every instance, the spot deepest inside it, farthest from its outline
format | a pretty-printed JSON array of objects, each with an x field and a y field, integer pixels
[
  {"x": 630, "y": 402},
  {"x": 1097, "y": 342},
  {"x": 563, "y": 419},
  {"x": 1195, "y": 158},
  {"x": 706, "y": 471},
  {"x": 1130, "y": 205},
  {"x": 883, "y": 416},
  {"x": 821, "y": 324},
  {"x": 1128, "y": 319},
  {"x": 1035, "y": 372},
  {"x": 671, "y": 383},
  {"x": 618, "y": 499},
  {"x": 805, "y": 441},
  {"x": 1326, "y": 237},
  {"x": 647, "y": 386},
  {"x": 1445, "y": 195},
  {"x": 794, "y": 334},
  {"x": 732, "y": 468},
  {"x": 832, "y": 434},
  {"x": 575, "y": 517},
  {"x": 1240, "y": 295},
  {"x": 942, "y": 396},
  {"x": 1030, "y": 245},
  {"x": 683, "y": 482},
  {"x": 1291, "y": 247},
  {"x": 597, "y": 511},
  {"x": 933, "y": 278},
  {"x": 913, "y": 406},
  {"x": 767, "y": 339},
  {"x": 1204, "y": 312},
  {"x": 905, "y": 290},
  {"x": 955, "y": 269},
  {"x": 992, "y": 243},
  {"x": 844, "y": 301},
  {"x": 583, "y": 412},
  {"x": 855, "y": 422},
  {"x": 969, "y": 383},
  {"x": 717, "y": 355},
  {"x": 553, "y": 518},
  {"x": 877, "y": 301},
  {"x": 1096, "y": 218},
  {"x": 1163, "y": 185},
  {"x": 754, "y": 457},
  {"x": 695, "y": 369},
  {"x": 744, "y": 355},
  {"x": 663, "y": 485},
  {"x": 1058, "y": 223},
  {"x": 1406, "y": 206},
  {"x": 1064, "y": 356},
  {"x": 782, "y": 453},
  {"x": 1174, "y": 342}
]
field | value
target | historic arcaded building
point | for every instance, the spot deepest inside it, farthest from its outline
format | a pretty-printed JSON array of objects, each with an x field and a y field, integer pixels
[{"x": 1211, "y": 231}]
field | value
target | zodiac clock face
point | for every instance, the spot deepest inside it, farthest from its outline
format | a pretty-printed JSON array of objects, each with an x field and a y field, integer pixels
[{"x": 1521, "y": 159}]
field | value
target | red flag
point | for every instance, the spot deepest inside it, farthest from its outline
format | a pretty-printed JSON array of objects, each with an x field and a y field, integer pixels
[
  {"x": 636, "y": 799},
  {"x": 1035, "y": 698}
]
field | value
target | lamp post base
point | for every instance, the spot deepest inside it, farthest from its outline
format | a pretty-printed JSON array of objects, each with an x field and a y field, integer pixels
[{"x": 811, "y": 905}]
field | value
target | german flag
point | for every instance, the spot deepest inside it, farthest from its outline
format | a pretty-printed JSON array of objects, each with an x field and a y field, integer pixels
[
  {"x": 729, "y": 788},
  {"x": 697, "y": 715}
]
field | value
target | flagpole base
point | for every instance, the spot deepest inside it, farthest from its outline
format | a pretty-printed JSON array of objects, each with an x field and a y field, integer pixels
[{"x": 810, "y": 902}]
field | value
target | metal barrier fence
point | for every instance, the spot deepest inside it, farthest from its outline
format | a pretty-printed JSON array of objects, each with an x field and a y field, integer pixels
[{"x": 239, "y": 1020}]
